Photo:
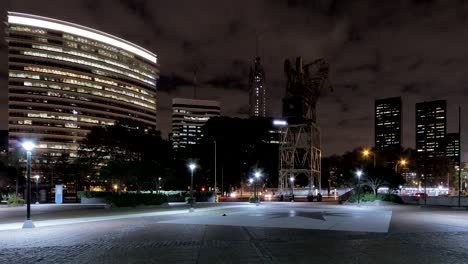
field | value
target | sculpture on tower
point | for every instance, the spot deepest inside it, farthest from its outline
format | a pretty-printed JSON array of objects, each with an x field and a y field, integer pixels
[{"x": 303, "y": 86}]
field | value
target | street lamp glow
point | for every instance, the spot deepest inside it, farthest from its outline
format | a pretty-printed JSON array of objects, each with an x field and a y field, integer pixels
[
  {"x": 359, "y": 173},
  {"x": 28, "y": 145},
  {"x": 192, "y": 166},
  {"x": 365, "y": 152},
  {"x": 257, "y": 174},
  {"x": 37, "y": 177},
  {"x": 403, "y": 162},
  {"x": 251, "y": 180},
  {"x": 292, "y": 179}
]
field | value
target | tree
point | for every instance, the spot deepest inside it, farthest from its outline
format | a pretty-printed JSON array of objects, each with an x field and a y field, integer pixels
[
  {"x": 11, "y": 161},
  {"x": 127, "y": 152},
  {"x": 374, "y": 182}
]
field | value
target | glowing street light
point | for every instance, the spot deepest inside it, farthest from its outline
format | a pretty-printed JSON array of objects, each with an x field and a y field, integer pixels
[
  {"x": 192, "y": 167},
  {"x": 366, "y": 153},
  {"x": 359, "y": 173},
  {"x": 28, "y": 146},
  {"x": 402, "y": 162}
]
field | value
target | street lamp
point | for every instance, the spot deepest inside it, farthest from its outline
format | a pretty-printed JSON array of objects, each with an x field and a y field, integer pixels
[
  {"x": 159, "y": 185},
  {"x": 359, "y": 173},
  {"x": 28, "y": 146},
  {"x": 366, "y": 153},
  {"x": 192, "y": 167},
  {"x": 403, "y": 162},
  {"x": 292, "y": 188},
  {"x": 37, "y": 188},
  {"x": 257, "y": 177}
]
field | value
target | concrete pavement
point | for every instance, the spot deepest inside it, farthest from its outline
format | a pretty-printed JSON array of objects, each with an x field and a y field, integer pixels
[{"x": 246, "y": 234}]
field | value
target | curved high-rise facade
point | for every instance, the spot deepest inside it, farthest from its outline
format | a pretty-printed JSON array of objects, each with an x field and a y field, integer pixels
[{"x": 65, "y": 78}]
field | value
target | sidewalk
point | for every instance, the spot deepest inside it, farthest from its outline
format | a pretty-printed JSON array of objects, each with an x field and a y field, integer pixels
[{"x": 86, "y": 213}]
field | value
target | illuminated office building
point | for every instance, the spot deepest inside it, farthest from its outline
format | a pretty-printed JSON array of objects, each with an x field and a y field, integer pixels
[
  {"x": 388, "y": 123},
  {"x": 188, "y": 118},
  {"x": 257, "y": 90},
  {"x": 65, "y": 79},
  {"x": 431, "y": 128},
  {"x": 452, "y": 147}
]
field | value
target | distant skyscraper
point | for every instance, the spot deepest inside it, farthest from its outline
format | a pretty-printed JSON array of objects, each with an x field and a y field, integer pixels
[
  {"x": 452, "y": 149},
  {"x": 431, "y": 128},
  {"x": 388, "y": 123},
  {"x": 188, "y": 117},
  {"x": 257, "y": 90}
]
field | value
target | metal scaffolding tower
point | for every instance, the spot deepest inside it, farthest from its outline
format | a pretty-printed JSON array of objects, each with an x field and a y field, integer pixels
[{"x": 300, "y": 154}]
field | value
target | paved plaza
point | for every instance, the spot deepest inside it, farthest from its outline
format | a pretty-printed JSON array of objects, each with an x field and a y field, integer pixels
[{"x": 237, "y": 233}]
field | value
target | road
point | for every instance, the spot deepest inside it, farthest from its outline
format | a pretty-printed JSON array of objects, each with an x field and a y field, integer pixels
[{"x": 238, "y": 232}]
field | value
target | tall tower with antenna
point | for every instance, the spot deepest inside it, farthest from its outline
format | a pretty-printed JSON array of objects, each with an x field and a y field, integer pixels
[{"x": 257, "y": 95}]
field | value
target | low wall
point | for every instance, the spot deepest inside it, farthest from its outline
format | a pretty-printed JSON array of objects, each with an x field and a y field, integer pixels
[
  {"x": 98, "y": 200},
  {"x": 437, "y": 200}
]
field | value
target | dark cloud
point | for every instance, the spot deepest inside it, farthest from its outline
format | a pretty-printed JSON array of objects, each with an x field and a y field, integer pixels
[
  {"x": 228, "y": 82},
  {"x": 411, "y": 88},
  {"x": 243, "y": 110},
  {"x": 416, "y": 65},
  {"x": 171, "y": 82}
]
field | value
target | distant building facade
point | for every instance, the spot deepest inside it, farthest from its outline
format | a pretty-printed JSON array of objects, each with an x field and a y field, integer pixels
[
  {"x": 388, "y": 117},
  {"x": 431, "y": 128},
  {"x": 452, "y": 147},
  {"x": 257, "y": 96},
  {"x": 188, "y": 118},
  {"x": 65, "y": 79}
]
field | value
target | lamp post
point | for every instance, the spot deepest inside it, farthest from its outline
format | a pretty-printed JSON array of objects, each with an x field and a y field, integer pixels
[
  {"x": 359, "y": 173},
  {"x": 159, "y": 185},
  {"x": 37, "y": 188},
  {"x": 366, "y": 153},
  {"x": 257, "y": 176},
  {"x": 215, "y": 169},
  {"x": 192, "y": 167},
  {"x": 403, "y": 162},
  {"x": 251, "y": 181},
  {"x": 28, "y": 146},
  {"x": 292, "y": 188}
]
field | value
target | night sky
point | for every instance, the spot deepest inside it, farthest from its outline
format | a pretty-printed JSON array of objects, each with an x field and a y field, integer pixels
[{"x": 414, "y": 49}]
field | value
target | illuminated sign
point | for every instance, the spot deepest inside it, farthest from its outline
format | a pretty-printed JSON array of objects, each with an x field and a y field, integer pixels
[{"x": 279, "y": 122}]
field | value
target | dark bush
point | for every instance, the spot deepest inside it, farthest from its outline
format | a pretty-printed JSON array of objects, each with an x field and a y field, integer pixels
[
  {"x": 134, "y": 199},
  {"x": 370, "y": 197},
  {"x": 253, "y": 199}
]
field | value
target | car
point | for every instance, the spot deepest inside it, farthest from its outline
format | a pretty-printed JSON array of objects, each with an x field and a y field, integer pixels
[{"x": 420, "y": 195}]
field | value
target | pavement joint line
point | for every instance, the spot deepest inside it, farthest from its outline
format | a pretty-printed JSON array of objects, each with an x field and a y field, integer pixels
[{"x": 79, "y": 220}]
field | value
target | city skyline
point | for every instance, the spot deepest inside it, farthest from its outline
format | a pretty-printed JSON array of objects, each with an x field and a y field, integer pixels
[{"x": 221, "y": 45}]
